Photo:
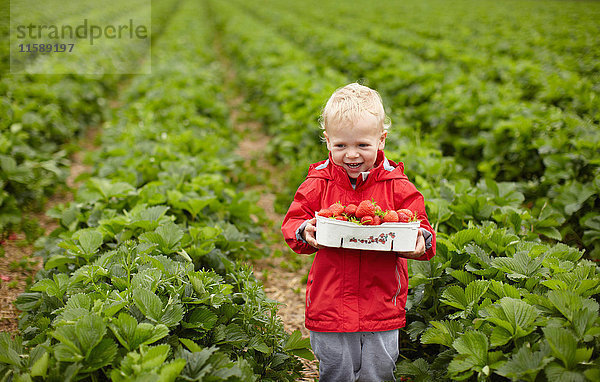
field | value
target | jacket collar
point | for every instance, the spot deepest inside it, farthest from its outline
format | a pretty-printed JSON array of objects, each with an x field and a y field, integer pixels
[{"x": 384, "y": 169}]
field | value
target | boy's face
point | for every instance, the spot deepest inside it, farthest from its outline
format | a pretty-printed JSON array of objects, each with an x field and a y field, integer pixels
[{"x": 355, "y": 147}]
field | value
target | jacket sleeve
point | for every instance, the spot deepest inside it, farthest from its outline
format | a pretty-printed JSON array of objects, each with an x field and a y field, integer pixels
[
  {"x": 306, "y": 202},
  {"x": 407, "y": 196}
]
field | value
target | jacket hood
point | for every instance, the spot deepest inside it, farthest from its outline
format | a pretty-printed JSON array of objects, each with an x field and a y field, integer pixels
[{"x": 384, "y": 169}]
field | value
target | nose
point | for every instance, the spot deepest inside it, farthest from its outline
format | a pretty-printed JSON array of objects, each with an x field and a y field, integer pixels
[{"x": 351, "y": 153}]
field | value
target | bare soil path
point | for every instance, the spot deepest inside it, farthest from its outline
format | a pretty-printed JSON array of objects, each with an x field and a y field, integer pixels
[{"x": 283, "y": 273}]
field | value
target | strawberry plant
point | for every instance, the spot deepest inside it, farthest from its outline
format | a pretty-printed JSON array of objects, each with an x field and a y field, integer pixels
[{"x": 142, "y": 276}]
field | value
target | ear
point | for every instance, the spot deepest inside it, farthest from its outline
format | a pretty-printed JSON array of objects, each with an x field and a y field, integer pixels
[
  {"x": 381, "y": 144},
  {"x": 327, "y": 140}
]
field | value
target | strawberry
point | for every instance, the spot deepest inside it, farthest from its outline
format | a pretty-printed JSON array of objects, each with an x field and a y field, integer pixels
[
  {"x": 12, "y": 236},
  {"x": 325, "y": 213},
  {"x": 336, "y": 208},
  {"x": 366, "y": 220},
  {"x": 350, "y": 209},
  {"x": 406, "y": 211},
  {"x": 390, "y": 216},
  {"x": 403, "y": 217},
  {"x": 376, "y": 220},
  {"x": 341, "y": 217},
  {"x": 378, "y": 211},
  {"x": 365, "y": 208}
]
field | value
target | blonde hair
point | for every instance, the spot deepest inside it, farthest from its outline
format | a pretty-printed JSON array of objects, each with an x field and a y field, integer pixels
[{"x": 350, "y": 103}]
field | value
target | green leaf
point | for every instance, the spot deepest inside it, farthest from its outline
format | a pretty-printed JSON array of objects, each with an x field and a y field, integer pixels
[
  {"x": 258, "y": 344},
  {"x": 107, "y": 190},
  {"x": 58, "y": 260},
  {"x": 513, "y": 315},
  {"x": 295, "y": 341},
  {"x": 90, "y": 330},
  {"x": 147, "y": 279},
  {"x": 474, "y": 344},
  {"x": 145, "y": 362},
  {"x": 40, "y": 366},
  {"x": 454, "y": 296},
  {"x": 132, "y": 335},
  {"x": 500, "y": 336},
  {"x": 569, "y": 303},
  {"x": 232, "y": 334},
  {"x": 556, "y": 372},
  {"x": 563, "y": 344},
  {"x": 172, "y": 315},
  {"x": 520, "y": 266},
  {"x": 463, "y": 276},
  {"x": 10, "y": 349},
  {"x": 501, "y": 289},
  {"x": 90, "y": 241},
  {"x": 466, "y": 299},
  {"x": 57, "y": 287},
  {"x": 101, "y": 355},
  {"x": 171, "y": 370},
  {"x": 442, "y": 332},
  {"x": 167, "y": 237},
  {"x": 525, "y": 364},
  {"x": 192, "y": 346},
  {"x": 201, "y": 318},
  {"x": 148, "y": 303}
]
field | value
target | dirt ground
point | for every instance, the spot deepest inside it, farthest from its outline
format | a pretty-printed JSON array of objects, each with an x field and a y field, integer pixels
[{"x": 284, "y": 274}]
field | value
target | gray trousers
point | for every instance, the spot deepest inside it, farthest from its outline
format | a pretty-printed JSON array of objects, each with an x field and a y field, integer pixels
[{"x": 358, "y": 356}]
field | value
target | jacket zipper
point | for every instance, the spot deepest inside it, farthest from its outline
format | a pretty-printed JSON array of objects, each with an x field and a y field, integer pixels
[{"x": 394, "y": 299}]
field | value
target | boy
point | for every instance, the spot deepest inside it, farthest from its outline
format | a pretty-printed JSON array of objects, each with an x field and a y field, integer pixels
[{"x": 355, "y": 299}]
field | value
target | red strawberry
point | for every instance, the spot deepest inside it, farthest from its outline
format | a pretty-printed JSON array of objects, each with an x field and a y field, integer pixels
[
  {"x": 407, "y": 212},
  {"x": 336, "y": 208},
  {"x": 325, "y": 212},
  {"x": 376, "y": 220},
  {"x": 366, "y": 220},
  {"x": 403, "y": 217},
  {"x": 350, "y": 209},
  {"x": 341, "y": 217},
  {"x": 12, "y": 236},
  {"x": 365, "y": 208},
  {"x": 390, "y": 216}
]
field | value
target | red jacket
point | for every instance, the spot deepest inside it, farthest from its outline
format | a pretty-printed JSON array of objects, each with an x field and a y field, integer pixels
[{"x": 350, "y": 290}]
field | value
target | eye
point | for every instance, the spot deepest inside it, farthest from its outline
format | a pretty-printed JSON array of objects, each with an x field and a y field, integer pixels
[{"x": 340, "y": 145}]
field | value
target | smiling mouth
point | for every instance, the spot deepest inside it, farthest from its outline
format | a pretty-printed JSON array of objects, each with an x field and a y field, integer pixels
[{"x": 353, "y": 165}]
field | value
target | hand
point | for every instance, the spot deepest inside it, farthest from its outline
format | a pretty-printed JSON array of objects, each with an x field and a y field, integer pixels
[
  {"x": 310, "y": 232},
  {"x": 419, "y": 249}
]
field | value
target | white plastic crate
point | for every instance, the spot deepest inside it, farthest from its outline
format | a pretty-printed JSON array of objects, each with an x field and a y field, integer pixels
[{"x": 399, "y": 237}]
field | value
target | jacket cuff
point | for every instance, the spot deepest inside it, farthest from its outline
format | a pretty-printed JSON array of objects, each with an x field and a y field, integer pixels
[
  {"x": 300, "y": 231},
  {"x": 428, "y": 238}
]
